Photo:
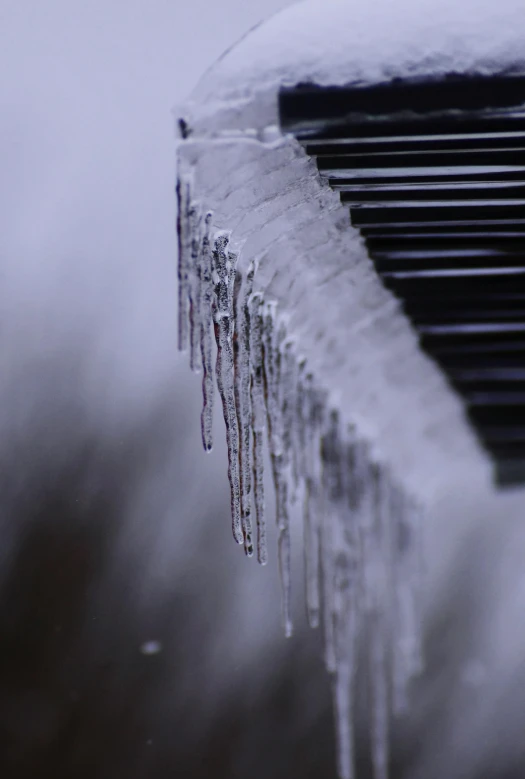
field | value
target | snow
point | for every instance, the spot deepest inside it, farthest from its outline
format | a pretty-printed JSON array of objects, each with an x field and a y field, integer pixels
[{"x": 340, "y": 42}]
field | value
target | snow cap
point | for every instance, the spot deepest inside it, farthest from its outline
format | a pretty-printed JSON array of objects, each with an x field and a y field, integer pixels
[{"x": 343, "y": 42}]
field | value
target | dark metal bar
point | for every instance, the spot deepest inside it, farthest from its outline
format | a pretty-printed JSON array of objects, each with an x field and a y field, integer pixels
[{"x": 434, "y": 173}]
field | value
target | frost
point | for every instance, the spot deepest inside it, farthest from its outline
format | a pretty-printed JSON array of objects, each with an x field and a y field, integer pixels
[{"x": 362, "y": 532}]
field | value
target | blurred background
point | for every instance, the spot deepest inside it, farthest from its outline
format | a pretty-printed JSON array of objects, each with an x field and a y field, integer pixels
[{"x": 135, "y": 639}]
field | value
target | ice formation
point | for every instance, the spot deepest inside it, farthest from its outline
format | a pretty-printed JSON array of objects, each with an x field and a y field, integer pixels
[
  {"x": 315, "y": 356},
  {"x": 362, "y": 531}
]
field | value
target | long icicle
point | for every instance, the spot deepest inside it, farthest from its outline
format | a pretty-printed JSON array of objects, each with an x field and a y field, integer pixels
[
  {"x": 243, "y": 401},
  {"x": 194, "y": 284},
  {"x": 310, "y": 467},
  {"x": 332, "y": 495},
  {"x": 184, "y": 224},
  {"x": 223, "y": 266},
  {"x": 345, "y": 628},
  {"x": 255, "y": 303},
  {"x": 206, "y": 303},
  {"x": 272, "y": 343},
  {"x": 377, "y": 570},
  {"x": 346, "y": 608},
  {"x": 346, "y": 613}
]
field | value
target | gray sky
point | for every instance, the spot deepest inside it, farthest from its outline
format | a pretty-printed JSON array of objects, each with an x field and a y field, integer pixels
[{"x": 87, "y": 208}]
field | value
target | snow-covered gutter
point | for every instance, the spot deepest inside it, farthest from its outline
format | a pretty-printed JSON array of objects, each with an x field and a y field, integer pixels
[{"x": 312, "y": 349}]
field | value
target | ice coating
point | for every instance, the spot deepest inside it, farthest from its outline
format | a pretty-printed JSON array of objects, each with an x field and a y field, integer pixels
[{"x": 361, "y": 527}]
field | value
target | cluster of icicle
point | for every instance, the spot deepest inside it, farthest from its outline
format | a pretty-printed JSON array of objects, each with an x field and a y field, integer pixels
[{"x": 361, "y": 531}]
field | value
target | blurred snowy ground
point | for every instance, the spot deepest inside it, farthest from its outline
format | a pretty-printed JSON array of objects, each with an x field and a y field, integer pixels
[{"x": 135, "y": 639}]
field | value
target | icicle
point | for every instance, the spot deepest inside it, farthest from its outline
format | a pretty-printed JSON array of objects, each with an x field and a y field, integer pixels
[
  {"x": 415, "y": 568},
  {"x": 332, "y": 479},
  {"x": 272, "y": 343},
  {"x": 223, "y": 266},
  {"x": 407, "y": 577},
  {"x": 255, "y": 303},
  {"x": 194, "y": 284},
  {"x": 300, "y": 421},
  {"x": 403, "y": 617},
  {"x": 369, "y": 532},
  {"x": 184, "y": 246},
  {"x": 289, "y": 381},
  {"x": 309, "y": 468},
  {"x": 346, "y": 607},
  {"x": 287, "y": 387},
  {"x": 205, "y": 315},
  {"x": 377, "y": 569},
  {"x": 345, "y": 629},
  {"x": 243, "y": 402},
  {"x": 380, "y": 708}
]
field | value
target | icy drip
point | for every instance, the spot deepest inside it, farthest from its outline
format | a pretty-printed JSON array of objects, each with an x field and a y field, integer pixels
[
  {"x": 288, "y": 407},
  {"x": 346, "y": 604},
  {"x": 377, "y": 598},
  {"x": 274, "y": 385},
  {"x": 362, "y": 533},
  {"x": 184, "y": 231},
  {"x": 332, "y": 486},
  {"x": 345, "y": 634},
  {"x": 223, "y": 270},
  {"x": 194, "y": 284},
  {"x": 311, "y": 416},
  {"x": 205, "y": 294},
  {"x": 255, "y": 305},
  {"x": 243, "y": 401},
  {"x": 340, "y": 583}
]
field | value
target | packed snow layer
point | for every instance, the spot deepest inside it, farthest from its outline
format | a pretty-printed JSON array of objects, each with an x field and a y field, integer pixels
[{"x": 340, "y": 42}]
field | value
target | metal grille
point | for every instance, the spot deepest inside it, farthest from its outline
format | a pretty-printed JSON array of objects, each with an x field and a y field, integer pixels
[{"x": 434, "y": 175}]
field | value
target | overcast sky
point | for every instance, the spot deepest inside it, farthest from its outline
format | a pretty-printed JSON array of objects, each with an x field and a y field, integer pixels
[{"x": 87, "y": 208}]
